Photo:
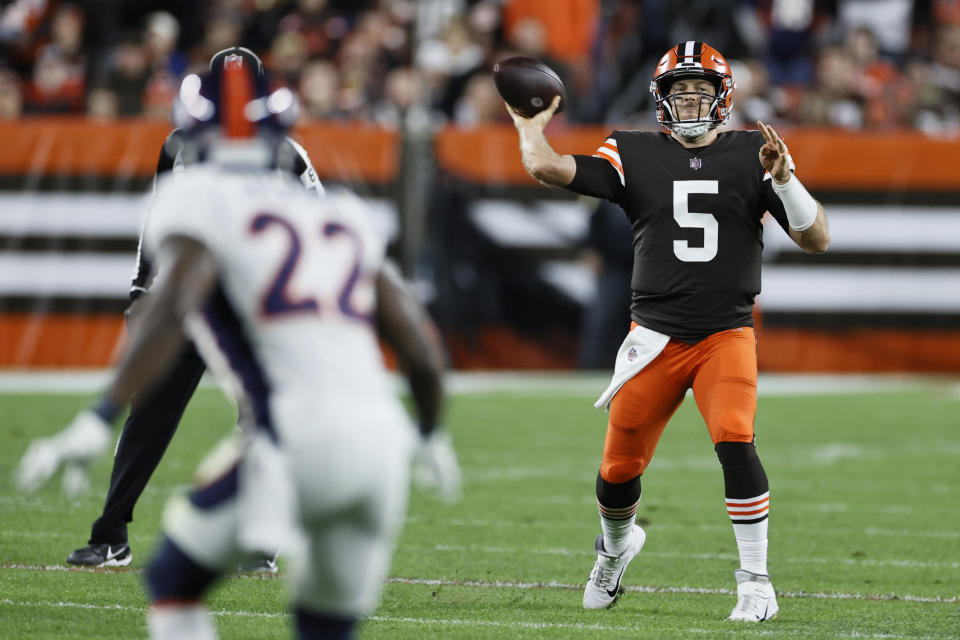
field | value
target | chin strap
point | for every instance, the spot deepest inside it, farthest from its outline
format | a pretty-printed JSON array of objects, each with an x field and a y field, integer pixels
[{"x": 691, "y": 129}]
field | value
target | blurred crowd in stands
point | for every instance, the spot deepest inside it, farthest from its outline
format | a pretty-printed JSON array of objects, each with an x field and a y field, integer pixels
[{"x": 856, "y": 64}]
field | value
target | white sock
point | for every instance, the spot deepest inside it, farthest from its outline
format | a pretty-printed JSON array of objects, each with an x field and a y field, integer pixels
[
  {"x": 752, "y": 544},
  {"x": 617, "y": 525},
  {"x": 751, "y": 536},
  {"x": 180, "y": 622}
]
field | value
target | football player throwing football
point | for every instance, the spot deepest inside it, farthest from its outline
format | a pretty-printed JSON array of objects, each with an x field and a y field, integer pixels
[{"x": 695, "y": 197}]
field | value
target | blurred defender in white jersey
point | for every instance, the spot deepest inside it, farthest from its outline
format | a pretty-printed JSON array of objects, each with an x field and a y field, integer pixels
[{"x": 284, "y": 294}]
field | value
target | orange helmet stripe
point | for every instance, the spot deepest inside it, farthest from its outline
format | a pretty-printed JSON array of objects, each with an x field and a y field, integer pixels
[{"x": 236, "y": 92}]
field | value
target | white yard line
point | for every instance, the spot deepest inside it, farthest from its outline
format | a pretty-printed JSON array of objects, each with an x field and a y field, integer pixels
[
  {"x": 473, "y": 523},
  {"x": 493, "y": 584},
  {"x": 119, "y": 607},
  {"x": 677, "y": 590}
]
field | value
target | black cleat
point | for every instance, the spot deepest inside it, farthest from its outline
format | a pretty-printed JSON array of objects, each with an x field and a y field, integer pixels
[{"x": 102, "y": 555}]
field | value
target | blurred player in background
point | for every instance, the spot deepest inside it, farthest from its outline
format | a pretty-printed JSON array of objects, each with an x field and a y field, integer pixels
[
  {"x": 284, "y": 294},
  {"x": 155, "y": 414},
  {"x": 695, "y": 198}
]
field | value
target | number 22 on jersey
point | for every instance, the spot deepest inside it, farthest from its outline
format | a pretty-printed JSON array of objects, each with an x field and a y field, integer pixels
[
  {"x": 693, "y": 220},
  {"x": 278, "y": 300}
]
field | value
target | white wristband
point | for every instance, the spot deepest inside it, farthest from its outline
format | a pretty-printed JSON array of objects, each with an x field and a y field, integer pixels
[{"x": 800, "y": 206}]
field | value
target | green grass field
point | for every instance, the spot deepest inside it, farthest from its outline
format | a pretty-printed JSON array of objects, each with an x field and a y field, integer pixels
[{"x": 865, "y": 527}]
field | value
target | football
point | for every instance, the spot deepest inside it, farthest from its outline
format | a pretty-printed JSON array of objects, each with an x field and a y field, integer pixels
[{"x": 528, "y": 85}]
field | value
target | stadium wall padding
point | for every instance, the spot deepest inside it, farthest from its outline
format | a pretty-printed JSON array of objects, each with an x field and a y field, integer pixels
[{"x": 81, "y": 162}]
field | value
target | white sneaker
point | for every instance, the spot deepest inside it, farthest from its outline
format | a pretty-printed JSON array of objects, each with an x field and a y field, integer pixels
[
  {"x": 756, "y": 600},
  {"x": 603, "y": 587}
]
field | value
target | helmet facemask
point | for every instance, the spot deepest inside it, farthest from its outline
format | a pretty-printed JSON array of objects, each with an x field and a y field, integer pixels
[{"x": 709, "y": 105}]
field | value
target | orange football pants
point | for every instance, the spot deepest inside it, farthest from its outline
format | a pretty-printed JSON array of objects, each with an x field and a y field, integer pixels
[{"x": 721, "y": 369}]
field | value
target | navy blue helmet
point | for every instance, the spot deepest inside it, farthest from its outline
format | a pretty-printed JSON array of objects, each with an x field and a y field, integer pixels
[{"x": 233, "y": 99}]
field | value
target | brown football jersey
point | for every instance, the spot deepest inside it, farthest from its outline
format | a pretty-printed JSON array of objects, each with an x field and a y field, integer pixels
[{"x": 696, "y": 217}]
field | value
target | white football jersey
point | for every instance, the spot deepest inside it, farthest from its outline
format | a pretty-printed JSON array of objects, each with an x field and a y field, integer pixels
[{"x": 293, "y": 313}]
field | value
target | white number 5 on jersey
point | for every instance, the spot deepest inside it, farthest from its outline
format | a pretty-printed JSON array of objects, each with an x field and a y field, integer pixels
[{"x": 691, "y": 220}]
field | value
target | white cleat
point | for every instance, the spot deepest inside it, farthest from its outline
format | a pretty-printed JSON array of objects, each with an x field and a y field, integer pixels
[
  {"x": 603, "y": 587},
  {"x": 756, "y": 600}
]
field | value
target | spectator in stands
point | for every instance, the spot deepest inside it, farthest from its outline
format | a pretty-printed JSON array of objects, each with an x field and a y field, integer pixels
[
  {"x": 480, "y": 103},
  {"x": 754, "y": 97},
  {"x": 905, "y": 72},
  {"x": 18, "y": 24},
  {"x": 11, "y": 96},
  {"x": 888, "y": 23},
  {"x": 102, "y": 104},
  {"x": 358, "y": 73},
  {"x": 877, "y": 78},
  {"x": 66, "y": 33},
  {"x": 942, "y": 90},
  {"x": 388, "y": 38},
  {"x": 288, "y": 55},
  {"x": 223, "y": 29},
  {"x": 834, "y": 100},
  {"x": 167, "y": 64},
  {"x": 568, "y": 29},
  {"x": 57, "y": 85},
  {"x": 127, "y": 75},
  {"x": 320, "y": 25},
  {"x": 528, "y": 37},
  {"x": 320, "y": 90},
  {"x": 793, "y": 29},
  {"x": 615, "y": 57},
  {"x": 400, "y": 93},
  {"x": 946, "y": 62},
  {"x": 448, "y": 62},
  {"x": 483, "y": 19}
]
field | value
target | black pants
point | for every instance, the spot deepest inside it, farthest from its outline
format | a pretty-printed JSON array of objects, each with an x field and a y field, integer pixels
[{"x": 153, "y": 420}]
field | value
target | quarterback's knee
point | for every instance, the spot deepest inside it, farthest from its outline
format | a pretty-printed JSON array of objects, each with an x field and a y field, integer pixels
[
  {"x": 733, "y": 426},
  {"x": 621, "y": 471},
  {"x": 620, "y": 494}
]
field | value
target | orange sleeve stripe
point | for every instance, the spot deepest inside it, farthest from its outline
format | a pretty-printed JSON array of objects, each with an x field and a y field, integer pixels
[{"x": 615, "y": 161}]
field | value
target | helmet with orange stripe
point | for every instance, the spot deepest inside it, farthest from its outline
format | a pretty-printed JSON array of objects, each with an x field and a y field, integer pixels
[
  {"x": 232, "y": 107},
  {"x": 692, "y": 60}
]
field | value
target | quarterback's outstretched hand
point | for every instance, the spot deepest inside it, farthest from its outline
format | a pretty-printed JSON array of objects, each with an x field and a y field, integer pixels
[
  {"x": 435, "y": 465},
  {"x": 538, "y": 121},
  {"x": 774, "y": 155},
  {"x": 539, "y": 158},
  {"x": 83, "y": 441}
]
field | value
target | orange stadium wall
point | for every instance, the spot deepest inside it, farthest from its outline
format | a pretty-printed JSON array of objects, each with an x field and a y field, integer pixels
[{"x": 357, "y": 153}]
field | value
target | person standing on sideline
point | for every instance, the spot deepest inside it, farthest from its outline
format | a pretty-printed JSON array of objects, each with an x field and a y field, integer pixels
[{"x": 695, "y": 197}]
